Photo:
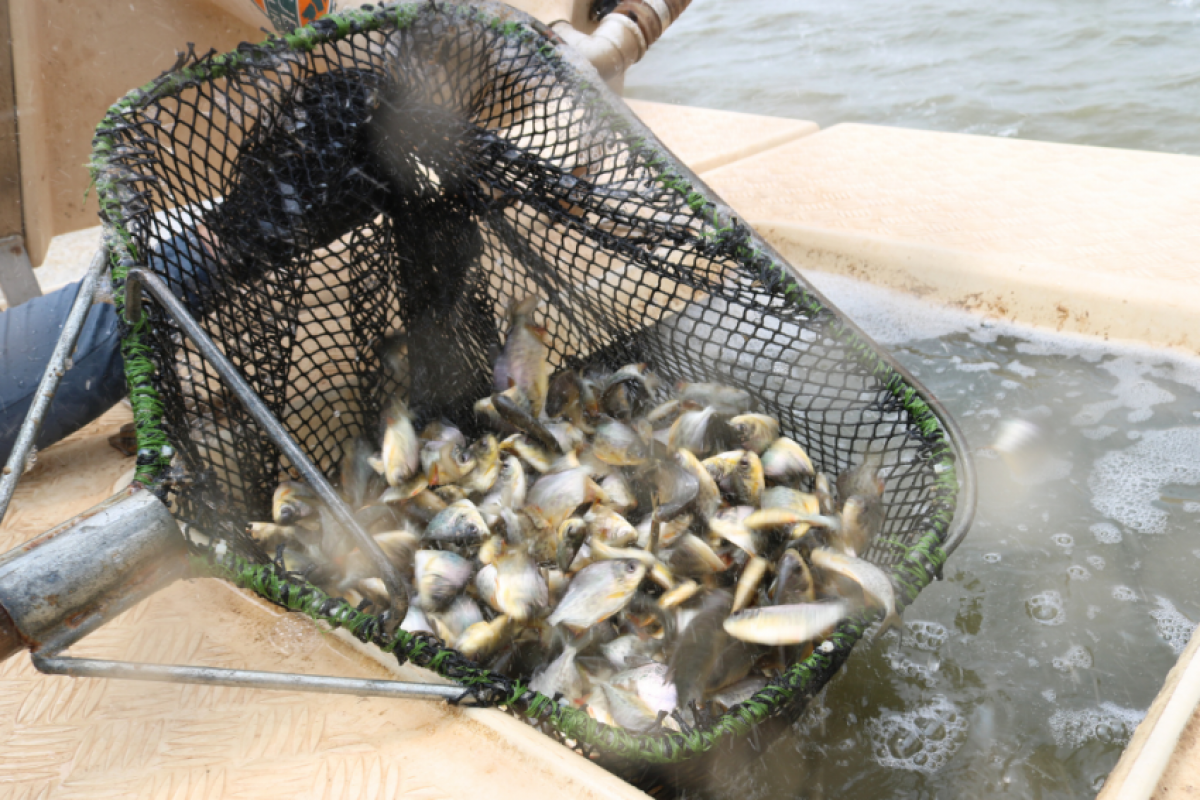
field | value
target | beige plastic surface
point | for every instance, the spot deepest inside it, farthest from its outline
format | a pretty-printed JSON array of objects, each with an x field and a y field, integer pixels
[{"x": 89, "y": 738}]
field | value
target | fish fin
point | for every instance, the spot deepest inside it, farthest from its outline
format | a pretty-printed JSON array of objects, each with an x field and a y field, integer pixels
[{"x": 376, "y": 463}]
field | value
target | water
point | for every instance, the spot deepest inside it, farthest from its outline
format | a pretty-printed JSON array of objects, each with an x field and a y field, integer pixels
[
  {"x": 1116, "y": 73},
  {"x": 1026, "y": 671}
]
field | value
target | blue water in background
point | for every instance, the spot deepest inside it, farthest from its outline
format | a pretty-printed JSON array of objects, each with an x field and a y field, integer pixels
[{"x": 1114, "y": 73}]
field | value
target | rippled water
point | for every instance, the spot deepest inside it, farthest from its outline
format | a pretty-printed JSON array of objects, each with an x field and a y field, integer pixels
[
  {"x": 1026, "y": 671},
  {"x": 1117, "y": 73}
]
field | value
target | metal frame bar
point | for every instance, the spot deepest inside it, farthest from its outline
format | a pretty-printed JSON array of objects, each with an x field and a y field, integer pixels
[
  {"x": 53, "y": 664},
  {"x": 55, "y": 369},
  {"x": 397, "y": 585}
]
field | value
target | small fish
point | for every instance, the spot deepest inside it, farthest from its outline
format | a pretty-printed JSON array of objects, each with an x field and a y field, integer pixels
[
  {"x": 441, "y": 575},
  {"x": 692, "y": 558},
  {"x": 530, "y": 451},
  {"x": 876, "y": 585},
  {"x": 445, "y": 462},
  {"x": 554, "y": 497},
  {"x": 736, "y": 534},
  {"x": 790, "y": 499},
  {"x": 621, "y": 497},
  {"x": 695, "y": 431},
  {"x": 561, "y": 677},
  {"x": 856, "y": 531},
  {"x": 509, "y": 490},
  {"x": 460, "y": 523},
  {"x": 724, "y": 399},
  {"x": 400, "y": 547},
  {"x": 481, "y": 639},
  {"x": 628, "y": 710},
  {"x": 452, "y": 622},
  {"x": 782, "y": 625},
  {"x": 270, "y": 535},
  {"x": 524, "y": 420},
  {"x": 824, "y": 493},
  {"x": 863, "y": 480},
  {"x": 748, "y": 480},
  {"x": 738, "y": 693},
  {"x": 754, "y": 432},
  {"x": 359, "y": 481},
  {"x": 698, "y": 646},
  {"x": 486, "y": 453},
  {"x": 608, "y": 526},
  {"x": 785, "y": 462},
  {"x": 619, "y": 444},
  {"x": 292, "y": 502},
  {"x": 400, "y": 457},
  {"x": 597, "y": 592},
  {"x": 521, "y": 591},
  {"x": 793, "y": 580},
  {"x": 708, "y": 495},
  {"x": 523, "y": 362},
  {"x": 679, "y": 595},
  {"x": 571, "y": 535},
  {"x": 748, "y": 582},
  {"x": 485, "y": 585}
]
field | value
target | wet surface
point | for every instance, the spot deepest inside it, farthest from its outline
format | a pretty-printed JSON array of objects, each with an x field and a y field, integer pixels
[{"x": 1027, "y": 670}]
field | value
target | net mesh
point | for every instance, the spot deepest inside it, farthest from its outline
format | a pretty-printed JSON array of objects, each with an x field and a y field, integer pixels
[{"x": 349, "y": 210}]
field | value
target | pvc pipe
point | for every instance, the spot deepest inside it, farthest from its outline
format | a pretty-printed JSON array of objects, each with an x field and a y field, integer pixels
[{"x": 624, "y": 35}]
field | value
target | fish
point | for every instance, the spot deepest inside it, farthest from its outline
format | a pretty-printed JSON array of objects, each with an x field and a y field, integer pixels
[
  {"x": 692, "y": 558},
  {"x": 441, "y": 576},
  {"x": 785, "y": 462},
  {"x": 737, "y": 693},
  {"x": 445, "y": 462},
  {"x": 561, "y": 677},
  {"x": 695, "y": 431},
  {"x": 782, "y": 625},
  {"x": 482, "y": 638},
  {"x": 608, "y": 526},
  {"x": 698, "y": 646},
  {"x": 856, "y": 533},
  {"x": 523, "y": 363},
  {"x": 754, "y": 432},
  {"x": 597, "y": 592},
  {"x": 790, "y": 499},
  {"x": 555, "y": 497},
  {"x": 723, "y": 399},
  {"x": 876, "y": 585},
  {"x": 460, "y": 523},
  {"x": 521, "y": 591},
  {"x": 748, "y": 582},
  {"x": 400, "y": 456},
  {"x": 619, "y": 444},
  {"x": 628, "y": 710},
  {"x": 359, "y": 481},
  {"x": 486, "y": 453},
  {"x": 571, "y": 535},
  {"x": 793, "y": 580},
  {"x": 450, "y": 623},
  {"x": 293, "y": 503},
  {"x": 824, "y": 494}
]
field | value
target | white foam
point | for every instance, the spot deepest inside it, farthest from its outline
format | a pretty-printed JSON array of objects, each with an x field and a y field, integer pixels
[
  {"x": 1126, "y": 483},
  {"x": 1174, "y": 628},
  {"x": 1096, "y": 562},
  {"x": 921, "y": 740},
  {"x": 1124, "y": 594},
  {"x": 1047, "y": 608},
  {"x": 1107, "y": 723},
  {"x": 994, "y": 558},
  {"x": 1063, "y": 540},
  {"x": 925, "y": 635},
  {"x": 1021, "y": 369},
  {"x": 1098, "y": 433},
  {"x": 1078, "y": 572},
  {"x": 1078, "y": 657},
  {"x": 1106, "y": 533},
  {"x": 1049, "y": 694}
]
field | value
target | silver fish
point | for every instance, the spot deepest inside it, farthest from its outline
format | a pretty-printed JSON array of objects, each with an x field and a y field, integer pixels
[
  {"x": 521, "y": 591},
  {"x": 461, "y": 522},
  {"x": 560, "y": 677},
  {"x": 780, "y": 625},
  {"x": 876, "y": 585},
  {"x": 619, "y": 444},
  {"x": 481, "y": 639},
  {"x": 554, "y": 497},
  {"x": 725, "y": 399},
  {"x": 785, "y": 462},
  {"x": 440, "y": 575},
  {"x": 400, "y": 457},
  {"x": 597, "y": 592},
  {"x": 755, "y": 432},
  {"x": 523, "y": 362}
]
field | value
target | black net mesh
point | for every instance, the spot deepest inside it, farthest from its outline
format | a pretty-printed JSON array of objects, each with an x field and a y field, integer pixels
[{"x": 349, "y": 211}]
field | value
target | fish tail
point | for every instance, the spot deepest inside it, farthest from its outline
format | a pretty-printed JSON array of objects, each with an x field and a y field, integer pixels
[{"x": 892, "y": 620}]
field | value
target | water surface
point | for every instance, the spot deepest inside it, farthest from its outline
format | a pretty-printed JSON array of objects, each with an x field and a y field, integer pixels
[{"x": 1117, "y": 73}]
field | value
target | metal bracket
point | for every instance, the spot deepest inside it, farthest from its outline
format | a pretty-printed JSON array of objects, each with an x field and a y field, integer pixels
[
  {"x": 397, "y": 585},
  {"x": 53, "y": 664}
]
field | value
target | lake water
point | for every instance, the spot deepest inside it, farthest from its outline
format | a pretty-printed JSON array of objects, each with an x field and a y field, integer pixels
[
  {"x": 1116, "y": 73},
  {"x": 1024, "y": 672}
]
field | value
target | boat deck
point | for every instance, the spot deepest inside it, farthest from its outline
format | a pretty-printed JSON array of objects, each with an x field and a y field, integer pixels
[{"x": 1090, "y": 240}]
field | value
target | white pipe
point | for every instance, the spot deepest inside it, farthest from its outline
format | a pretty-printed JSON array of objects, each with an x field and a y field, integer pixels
[{"x": 624, "y": 35}]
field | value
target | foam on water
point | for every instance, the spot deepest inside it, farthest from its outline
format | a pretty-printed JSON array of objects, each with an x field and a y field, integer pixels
[
  {"x": 921, "y": 740},
  {"x": 1096, "y": 562},
  {"x": 1125, "y": 484},
  {"x": 1107, "y": 723},
  {"x": 1174, "y": 628},
  {"x": 1078, "y": 572},
  {"x": 924, "y": 635},
  {"x": 1124, "y": 594},
  {"x": 1078, "y": 657},
  {"x": 1047, "y": 608},
  {"x": 1106, "y": 533}
]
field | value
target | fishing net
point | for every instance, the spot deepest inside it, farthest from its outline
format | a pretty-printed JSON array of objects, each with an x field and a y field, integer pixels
[{"x": 399, "y": 176}]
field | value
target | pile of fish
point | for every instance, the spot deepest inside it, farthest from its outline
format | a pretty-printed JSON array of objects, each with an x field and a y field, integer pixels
[{"x": 636, "y": 551}]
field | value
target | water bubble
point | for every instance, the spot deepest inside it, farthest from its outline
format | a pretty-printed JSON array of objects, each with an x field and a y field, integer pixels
[
  {"x": 1124, "y": 594},
  {"x": 1078, "y": 657},
  {"x": 1174, "y": 628},
  {"x": 925, "y": 635},
  {"x": 994, "y": 558},
  {"x": 1108, "y": 723},
  {"x": 1093, "y": 612},
  {"x": 1106, "y": 533},
  {"x": 1047, "y": 608},
  {"x": 1049, "y": 694},
  {"x": 1096, "y": 562},
  {"x": 1063, "y": 540},
  {"x": 1078, "y": 572},
  {"x": 921, "y": 740},
  {"x": 1196, "y": 553}
]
